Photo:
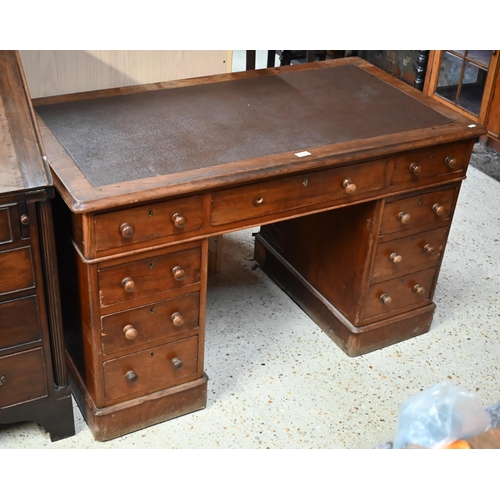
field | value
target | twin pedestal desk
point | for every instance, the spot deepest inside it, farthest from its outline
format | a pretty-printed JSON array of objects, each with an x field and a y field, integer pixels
[{"x": 352, "y": 175}]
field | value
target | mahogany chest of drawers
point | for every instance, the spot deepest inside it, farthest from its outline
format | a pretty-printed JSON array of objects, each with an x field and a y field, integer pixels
[
  {"x": 33, "y": 377},
  {"x": 352, "y": 175}
]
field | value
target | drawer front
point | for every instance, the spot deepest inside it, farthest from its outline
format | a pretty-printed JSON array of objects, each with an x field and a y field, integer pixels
[
  {"x": 6, "y": 235},
  {"x": 411, "y": 253},
  {"x": 152, "y": 369},
  {"x": 312, "y": 188},
  {"x": 147, "y": 223},
  {"x": 150, "y": 323},
  {"x": 22, "y": 377},
  {"x": 17, "y": 270},
  {"x": 388, "y": 296},
  {"x": 147, "y": 277},
  {"x": 19, "y": 324},
  {"x": 421, "y": 164},
  {"x": 408, "y": 213}
]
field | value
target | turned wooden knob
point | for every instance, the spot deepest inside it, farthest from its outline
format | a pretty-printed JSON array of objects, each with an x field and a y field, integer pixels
[
  {"x": 258, "y": 201},
  {"x": 404, "y": 217},
  {"x": 128, "y": 284},
  {"x": 25, "y": 220},
  {"x": 438, "y": 209},
  {"x": 179, "y": 220},
  {"x": 131, "y": 376},
  {"x": 2, "y": 380},
  {"x": 178, "y": 273},
  {"x": 395, "y": 258},
  {"x": 429, "y": 249},
  {"x": 419, "y": 289},
  {"x": 385, "y": 299},
  {"x": 415, "y": 169},
  {"x": 130, "y": 332},
  {"x": 348, "y": 185},
  {"x": 450, "y": 161},
  {"x": 177, "y": 319},
  {"x": 177, "y": 363},
  {"x": 127, "y": 230}
]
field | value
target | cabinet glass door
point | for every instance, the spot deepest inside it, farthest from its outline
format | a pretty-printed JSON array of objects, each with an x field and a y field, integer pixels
[{"x": 462, "y": 78}]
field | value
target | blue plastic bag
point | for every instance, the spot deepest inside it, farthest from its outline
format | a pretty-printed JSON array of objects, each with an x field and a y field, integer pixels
[{"x": 439, "y": 416}]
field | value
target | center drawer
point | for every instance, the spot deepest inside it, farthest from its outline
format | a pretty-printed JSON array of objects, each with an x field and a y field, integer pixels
[
  {"x": 146, "y": 277},
  {"x": 151, "y": 369},
  {"x": 297, "y": 191}
]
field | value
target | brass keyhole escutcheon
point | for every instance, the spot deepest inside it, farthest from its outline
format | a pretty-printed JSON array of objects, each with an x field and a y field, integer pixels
[
  {"x": 2, "y": 380},
  {"x": 305, "y": 182},
  {"x": 258, "y": 201}
]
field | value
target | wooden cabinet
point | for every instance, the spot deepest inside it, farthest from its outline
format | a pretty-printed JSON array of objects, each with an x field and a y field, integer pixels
[
  {"x": 33, "y": 378},
  {"x": 468, "y": 81}
]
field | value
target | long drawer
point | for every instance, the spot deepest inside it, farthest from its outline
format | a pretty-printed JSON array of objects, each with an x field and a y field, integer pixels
[
  {"x": 151, "y": 369},
  {"x": 297, "y": 191},
  {"x": 22, "y": 377},
  {"x": 159, "y": 320},
  {"x": 147, "y": 277}
]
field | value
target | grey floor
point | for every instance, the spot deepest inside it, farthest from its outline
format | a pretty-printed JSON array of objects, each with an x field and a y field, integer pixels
[{"x": 277, "y": 381}]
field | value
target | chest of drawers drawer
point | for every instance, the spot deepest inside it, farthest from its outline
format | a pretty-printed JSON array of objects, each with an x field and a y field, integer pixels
[
  {"x": 389, "y": 296},
  {"x": 278, "y": 196},
  {"x": 433, "y": 208},
  {"x": 17, "y": 270},
  {"x": 14, "y": 332},
  {"x": 408, "y": 254},
  {"x": 6, "y": 235},
  {"x": 429, "y": 163},
  {"x": 147, "y": 223},
  {"x": 151, "y": 369},
  {"x": 22, "y": 377},
  {"x": 154, "y": 322},
  {"x": 149, "y": 276}
]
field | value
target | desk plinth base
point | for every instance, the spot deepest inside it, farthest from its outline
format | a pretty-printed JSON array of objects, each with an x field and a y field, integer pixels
[
  {"x": 354, "y": 341},
  {"x": 130, "y": 416}
]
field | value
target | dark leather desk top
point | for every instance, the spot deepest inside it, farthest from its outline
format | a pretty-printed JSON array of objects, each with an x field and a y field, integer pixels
[{"x": 122, "y": 138}]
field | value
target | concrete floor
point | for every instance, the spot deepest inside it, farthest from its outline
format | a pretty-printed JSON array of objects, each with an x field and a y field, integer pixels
[{"x": 277, "y": 381}]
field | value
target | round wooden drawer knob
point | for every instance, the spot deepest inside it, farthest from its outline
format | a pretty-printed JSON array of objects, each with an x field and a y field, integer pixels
[
  {"x": 415, "y": 169},
  {"x": 178, "y": 273},
  {"x": 177, "y": 319},
  {"x": 438, "y": 209},
  {"x": 395, "y": 258},
  {"x": 131, "y": 376},
  {"x": 385, "y": 299},
  {"x": 127, "y": 230},
  {"x": 130, "y": 332},
  {"x": 179, "y": 220},
  {"x": 419, "y": 289},
  {"x": 128, "y": 284},
  {"x": 348, "y": 185},
  {"x": 25, "y": 220},
  {"x": 450, "y": 161},
  {"x": 404, "y": 217},
  {"x": 2, "y": 380},
  {"x": 429, "y": 249},
  {"x": 177, "y": 363}
]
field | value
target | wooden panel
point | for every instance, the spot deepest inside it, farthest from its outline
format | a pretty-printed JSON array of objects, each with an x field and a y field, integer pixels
[
  {"x": 17, "y": 270},
  {"x": 14, "y": 332},
  {"x": 56, "y": 72},
  {"x": 153, "y": 369},
  {"x": 24, "y": 377},
  {"x": 5, "y": 229}
]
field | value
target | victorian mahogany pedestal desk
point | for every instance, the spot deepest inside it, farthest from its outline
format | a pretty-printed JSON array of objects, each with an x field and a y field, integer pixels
[
  {"x": 33, "y": 377},
  {"x": 352, "y": 174}
]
